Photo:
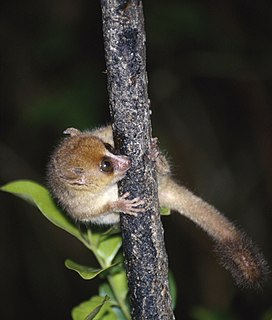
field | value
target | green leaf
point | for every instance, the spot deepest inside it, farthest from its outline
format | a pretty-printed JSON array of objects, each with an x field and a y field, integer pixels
[
  {"x": 87, "y": 273},
  {"x": 165, "y": 211},
  {"x": 105, "y": 290},
  {"x": 39, "y": 196},
  {"x": 88, "y": 310},
  {"x": 119, "y": 281},
  {"x": 96, "y": 236},
  {"x": 108, "y": 248},
  {"x": 118, "y": 314},
  {"x": 172, "y": 288},
  {"x": 112, "y": 315},
  {"x": 114, "y": 230}
]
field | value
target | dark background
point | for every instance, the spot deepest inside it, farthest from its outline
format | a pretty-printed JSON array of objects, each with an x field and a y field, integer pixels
[{"x": 209, "y": 66}]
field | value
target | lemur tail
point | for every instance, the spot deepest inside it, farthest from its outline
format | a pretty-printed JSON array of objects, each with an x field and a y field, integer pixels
[{"x": 236, "y": 252}]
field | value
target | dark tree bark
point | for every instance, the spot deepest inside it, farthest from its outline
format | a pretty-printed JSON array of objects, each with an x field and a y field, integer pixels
[{"x": 143, "y": 242}]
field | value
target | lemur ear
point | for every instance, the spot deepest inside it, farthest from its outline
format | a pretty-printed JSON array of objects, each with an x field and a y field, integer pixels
[
  {"x": 109, "y": 147},
  {"x": 72, "y": 132}
]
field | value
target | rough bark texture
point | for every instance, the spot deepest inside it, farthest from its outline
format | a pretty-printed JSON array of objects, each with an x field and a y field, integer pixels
[{"x": 143, "y": 242}]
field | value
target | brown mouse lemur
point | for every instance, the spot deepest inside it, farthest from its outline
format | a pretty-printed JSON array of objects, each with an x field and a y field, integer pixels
[{"x": 83, "y": 173}]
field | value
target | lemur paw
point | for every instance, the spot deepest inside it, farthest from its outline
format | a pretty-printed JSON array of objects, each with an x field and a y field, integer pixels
[
  {"x": 154, "y": 152},
  {"x": 129, "y": 206}
]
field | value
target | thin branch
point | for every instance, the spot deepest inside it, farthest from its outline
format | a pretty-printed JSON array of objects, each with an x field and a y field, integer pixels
[{"x": 144, "y": 249}]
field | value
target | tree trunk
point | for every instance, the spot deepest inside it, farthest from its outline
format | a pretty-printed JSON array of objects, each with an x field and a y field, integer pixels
[{"x": 143, "y": 242}]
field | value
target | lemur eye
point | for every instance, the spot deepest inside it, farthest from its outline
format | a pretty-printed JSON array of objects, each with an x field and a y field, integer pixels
[{"x": 106, "y": 165}]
